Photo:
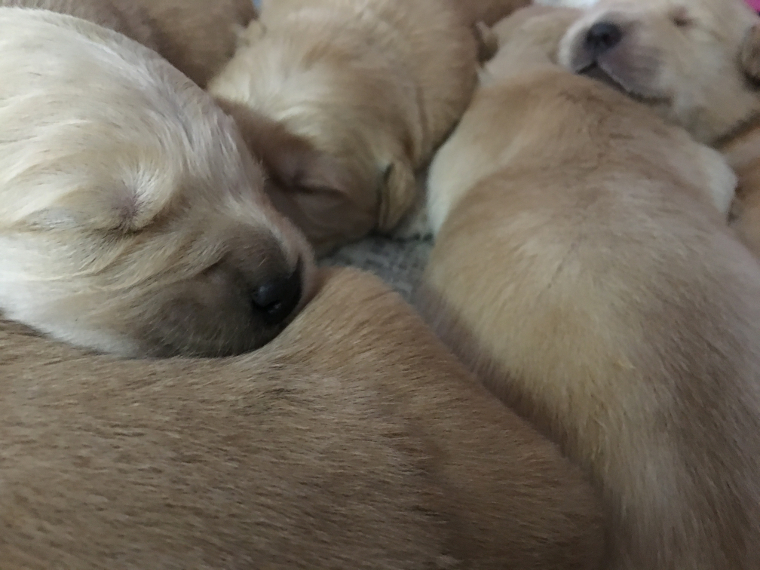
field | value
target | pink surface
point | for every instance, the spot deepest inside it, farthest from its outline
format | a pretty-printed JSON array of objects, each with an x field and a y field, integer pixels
[{"x": 754, "y": 4}]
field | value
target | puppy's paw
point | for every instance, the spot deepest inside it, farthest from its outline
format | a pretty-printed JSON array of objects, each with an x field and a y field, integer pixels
[{"x": 415, "y": 226}]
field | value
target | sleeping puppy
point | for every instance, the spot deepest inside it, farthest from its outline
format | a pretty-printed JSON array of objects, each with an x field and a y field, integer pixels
[
  {"x": 196, "y": 36},
  {"x": 354, "y": 440},
  {"x": 132, "y": 217},
  {"x": 344, "y": 101},
  {"x": 581, "y": 267},
  {"x": 697, "y": 63}
]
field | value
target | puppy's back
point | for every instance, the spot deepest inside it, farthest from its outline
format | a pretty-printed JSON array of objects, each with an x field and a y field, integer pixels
[
  {"x": 588, "y": 277},
  {"x": 125, "y": 17},
  {"x": 354, "y": 440}
]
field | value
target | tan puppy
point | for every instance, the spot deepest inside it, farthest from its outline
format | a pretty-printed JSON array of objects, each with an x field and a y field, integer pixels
[
  {"x": 354, "y": 440},
  {"x": 196, "y": 36},
  {"x": 582, "y": 269},
  {"x": 345, "y": 100},
  {"x": 697, "y": 63},
  {"x": 132, "y": 218}
]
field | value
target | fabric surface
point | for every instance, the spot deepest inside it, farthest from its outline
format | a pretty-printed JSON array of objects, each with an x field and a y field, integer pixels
[{"x": 398, "y": 263}]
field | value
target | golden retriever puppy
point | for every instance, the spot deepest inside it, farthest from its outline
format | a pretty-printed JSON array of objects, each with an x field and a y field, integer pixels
[
  {"x": 353, "y": 440},
  {"x": 132, "y": 217},
  {"x": 196, "y": 36},
  {"x": 697, "y": 63},
  {"x": 582, "y": 269},
  {"x": 344, "y": 101}
]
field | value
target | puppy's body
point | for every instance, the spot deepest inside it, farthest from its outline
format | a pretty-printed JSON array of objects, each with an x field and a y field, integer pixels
[
  {"x": 123, "y": 16},
  {"x": 354, "y": 440},
  {"x": 582, "y": 269},
  {"x": 197, "y": 36},
  {"x": 345, "y": 100},
  {"x": 132, "y": 217},
  {"x": 697, "y": 64}
]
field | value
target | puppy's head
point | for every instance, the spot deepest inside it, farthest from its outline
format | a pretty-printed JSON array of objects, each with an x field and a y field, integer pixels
[
  {"x": 132, "y": 219},
  {"x": 697, "y": 62},
  {"x": 528, "y": 38},
  {"x": 319, "y": 118}
]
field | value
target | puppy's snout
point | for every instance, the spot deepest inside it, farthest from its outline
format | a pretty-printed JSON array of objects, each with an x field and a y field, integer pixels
[
  {"x": 278, "y": 297},
  {"x": 602, "y": 37}
]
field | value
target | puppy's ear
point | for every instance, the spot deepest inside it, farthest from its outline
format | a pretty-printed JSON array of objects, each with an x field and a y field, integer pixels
[
  {"x": 398, "y": 194},
  {"x": 247, "y": 36},
  {"x": 314, "y": 189},
  {"x": 488, "y": 42},
  {"x": 749, "y": 56}
]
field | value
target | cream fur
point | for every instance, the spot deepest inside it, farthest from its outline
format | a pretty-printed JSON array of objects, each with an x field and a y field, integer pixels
[
  {"x": 196, "y": 36},
  {"x": 132, "y": 220},
  {"x": 682, "y": 58},
  {"x": 697, "y": 63},
  {"x": 371, "y": 87},
  {"x": 582, "y": 269}
]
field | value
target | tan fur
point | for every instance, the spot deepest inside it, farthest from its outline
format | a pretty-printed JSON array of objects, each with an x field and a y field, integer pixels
[
  {"x": 354, "y": 440},
  {"x": 132, "y": 217},
  {"x": 698, "y": 64},
  {"x": 582, "y": 269},
  {"x": 197, "y": 36},
  {"x": 370, "y": 88}
]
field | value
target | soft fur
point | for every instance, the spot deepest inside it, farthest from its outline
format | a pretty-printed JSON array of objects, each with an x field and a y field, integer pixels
[
  {"x": 196, "y": 36},
  {"x": 698, "y": 64},
  {"x": 582, "y": 268},
  {"x": 132, "y": 217},
  {"x": 352, "y": 441},
  {"x": 345, "y": 100}
]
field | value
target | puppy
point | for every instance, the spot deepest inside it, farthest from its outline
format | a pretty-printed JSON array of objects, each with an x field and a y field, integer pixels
[
  {"x": 196, "y": 36},
  {"x": 132, "y": 217},
  {"x": 354, "y": 440},
  {"x": 697, "y": 63},
  {"x": 581, "y": 267},
  {"x": 345, "y": 100}
]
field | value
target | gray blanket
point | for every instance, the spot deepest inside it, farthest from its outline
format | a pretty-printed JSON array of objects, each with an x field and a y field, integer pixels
[{"x": 398, "y": 263}]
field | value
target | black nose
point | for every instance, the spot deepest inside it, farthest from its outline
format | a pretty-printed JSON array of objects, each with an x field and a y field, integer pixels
[
  {"x": 602, "y": 37},
  {"x": 277, "y": 298}
]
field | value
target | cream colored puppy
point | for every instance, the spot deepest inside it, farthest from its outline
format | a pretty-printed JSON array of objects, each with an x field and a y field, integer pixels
[
  {"x": 697, "y": 63},
  {"x": 132, "y": 218},
  {"x": 196, "y": 36},
  {"x": 354, "y": 440},
  {"x": 345, "y": 100},
  {"x": 582, "y": 268}
]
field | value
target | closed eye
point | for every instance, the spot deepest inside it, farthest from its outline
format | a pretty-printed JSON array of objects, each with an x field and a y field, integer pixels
[{"x": 681, "y": 18}]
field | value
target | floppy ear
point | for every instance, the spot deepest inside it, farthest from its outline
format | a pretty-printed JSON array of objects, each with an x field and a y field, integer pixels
[
  {"x": 247, "y": 36},
  {"x": 749, "y": 56},
  {"x": 314, "y": 189},
  {"x": 398, "y": 195},
  {"x": 488, "y": 42}
]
